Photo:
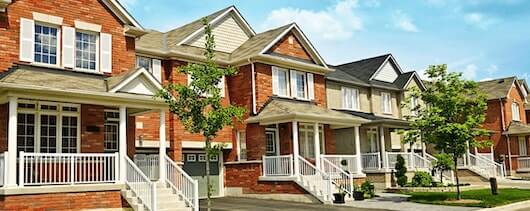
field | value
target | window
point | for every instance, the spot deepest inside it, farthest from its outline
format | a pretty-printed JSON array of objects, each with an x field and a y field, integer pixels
[
  {"x": 86, "y": 51},
  {"x": 214, "y": 158},
  {"x": 191, "y": 157},
  {"x": 270, "y": 142},
  {"x": 307, "y": 142},
  {"x": 280, "y": 82},
  {"x": 522, "y": 146},
  {"x": 414, "y": 106},
  {"x": 386, "y": 100},
  {"x": 46, "y": 43},
  {"x": 111, "y": 125},
  {"x": 350, "y": 98},
  {"x": 220, "y": 86},
  {"x": 202, "y": 158},
  {"x": 145, "y": 63},
  {"x": 47, "y": 127},
  {"x": 300, "y": 85},
  {"x": 516, "y": 116},
  {"x": 242, "y": 145}
]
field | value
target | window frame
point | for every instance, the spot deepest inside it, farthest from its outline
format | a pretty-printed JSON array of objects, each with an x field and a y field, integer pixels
[
  {"x": 115, "y": 122},
  {"x": 516, "y": 112},
  {"x": 305, "y": 85},
  {"x": 59, "y": 113},
  {"x": 150, "y": 69},
  {"x": 240, "y": 140},
  {"x": 98, "y": 51},
  {"x": 385, "y": 103},
  {"x": 276, "y": 78},
  {"x": 303, "y": 131},
  {"x": 522, "y": 145},
  {"x": 351, "y": 99},
  {"x": 58, "y": 46},
  {"x": 414, "y": 103}
]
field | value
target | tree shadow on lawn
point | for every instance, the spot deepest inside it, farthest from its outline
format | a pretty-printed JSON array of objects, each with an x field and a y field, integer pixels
[{"x": 472, "y": 198}]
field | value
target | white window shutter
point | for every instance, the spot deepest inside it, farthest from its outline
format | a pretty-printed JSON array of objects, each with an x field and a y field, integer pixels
[
  {"x": 27, "y": 40},
  {"x": 68, "y": 47},
  {"x": 221, "y": 86},
  {"x": 344, "y": 97},
  {"x": 157, "y": 69},
  {"x": 275, "y": 82},
  {"x": 106, "y": 52},
  {"x": 292, "y": 75},
  {"x": 310, "y": 86}
]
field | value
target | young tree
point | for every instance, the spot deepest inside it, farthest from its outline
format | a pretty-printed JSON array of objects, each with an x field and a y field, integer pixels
[
  {"x": 443, "y": 162},
  {"x": 451, "y": 120},
  {"x": 198, "y": 103}
]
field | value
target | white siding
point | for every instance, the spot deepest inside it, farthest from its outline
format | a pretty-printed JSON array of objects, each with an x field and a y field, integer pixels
[
  {"x": 387, "y": 73},
  {"x": 228, "y": 35}
]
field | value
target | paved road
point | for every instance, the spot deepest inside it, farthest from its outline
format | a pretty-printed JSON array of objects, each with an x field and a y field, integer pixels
[{"x": 244, "y": 204}]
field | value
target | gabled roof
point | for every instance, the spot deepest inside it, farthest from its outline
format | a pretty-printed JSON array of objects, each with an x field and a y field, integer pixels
[
  {"x": 497, "y": 88},
  {"x": 362, "y": 72},
  {"x": 256, "y": 44},
  {"x": 122, "y": 13}
]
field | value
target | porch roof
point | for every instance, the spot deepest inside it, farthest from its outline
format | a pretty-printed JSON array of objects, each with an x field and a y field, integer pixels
[
  {"x": 517, "y": 128},
  {"x": 375, "y": 119},
  {"x": 279, "y": 110},
  {"x": 133, "y": 86}
]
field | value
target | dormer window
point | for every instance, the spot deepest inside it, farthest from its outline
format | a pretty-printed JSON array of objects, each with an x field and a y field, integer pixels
[{"x": 516, "y": 115}]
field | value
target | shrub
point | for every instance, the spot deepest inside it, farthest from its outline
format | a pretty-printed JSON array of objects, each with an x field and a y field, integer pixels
[
  {"x": 401, "y": 170},
  {"x": 368, "y": 189},
  {"x": 421, "y": 179}
]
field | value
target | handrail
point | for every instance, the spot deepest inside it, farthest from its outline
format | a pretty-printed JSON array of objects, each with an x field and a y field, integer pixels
[
  {"x": 140, "y": 185},
  {"x": 497, "y": 168},
  {"x": 315, "y": 178},
  {"x": 182, "y": 183},
  {"x": 344, "y": 182}
]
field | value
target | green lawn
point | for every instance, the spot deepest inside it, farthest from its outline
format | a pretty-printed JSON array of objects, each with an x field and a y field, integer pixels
[{"x": 484, "y": 197}]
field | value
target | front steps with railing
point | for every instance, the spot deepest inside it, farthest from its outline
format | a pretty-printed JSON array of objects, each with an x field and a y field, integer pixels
[{"x": 166, "y": 200}]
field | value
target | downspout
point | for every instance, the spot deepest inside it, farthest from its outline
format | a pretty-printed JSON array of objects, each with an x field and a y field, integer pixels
[
  {"x": 253, "y": 76},
  {"x": 507, "y": 137}
]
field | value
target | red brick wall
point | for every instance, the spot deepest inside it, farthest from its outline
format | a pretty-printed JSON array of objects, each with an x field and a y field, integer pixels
[
  {"x": 289, "y": 45},
  {"x": 62, "y": 201},
  {"x": 3, "y": 127},
  {"x": 255, "y": 141},
  {"x": 91, "y": 11},
  {"x": 247, "y": 175},
  {"x": 331, "y": 147},
  {"x": 92, "y": 116}
]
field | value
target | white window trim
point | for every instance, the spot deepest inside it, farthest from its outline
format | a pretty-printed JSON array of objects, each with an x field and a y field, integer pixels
[
  {"x": 220, "y": 86},
  {"x": 413, "y": 105},
  {"x": 274, "y": 131},
  {"x": 239, "y": 141},
  {"x": 97, "y": 34},
  {"x": 113, "y": 122},
  {"x": 522, "y": 146},
  {"x": 287, "y": 81},
  {"x": 357, "y": 100},
  {"x": 303, "y": 130},
  {"x": 150, "y": 70},
  {"x": 516, "y": 112},
  {"x": 202, "y": 158},
  {"x": 291, "y": 84},
  {"x": 58, "y": 58},
  {"x": 191, "y": 158},
  {"x": 384, "y": 103},
  {"x": 59, "y": 113},
  {"x": 295, "y": 95}
]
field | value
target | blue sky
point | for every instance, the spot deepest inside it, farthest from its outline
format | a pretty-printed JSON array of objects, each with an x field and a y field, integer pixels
[{"x": 484, "y": 39}]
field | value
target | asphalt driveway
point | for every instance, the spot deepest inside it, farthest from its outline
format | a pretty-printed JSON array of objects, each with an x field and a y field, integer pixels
[{"x": 244, "y": 204}]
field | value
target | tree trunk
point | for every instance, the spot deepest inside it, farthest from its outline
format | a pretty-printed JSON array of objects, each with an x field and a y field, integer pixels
[
  {"x": 208, "y": 186},
  {"x": 442, "y": 177},
  {"x": 458, "y": 196}
]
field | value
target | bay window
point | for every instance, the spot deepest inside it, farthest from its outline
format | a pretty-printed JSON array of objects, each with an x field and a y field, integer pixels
[
  {"x": 48, "y": 127},
  {"x": 86, "y": 51},
  {"x": 350, "y": 98}
]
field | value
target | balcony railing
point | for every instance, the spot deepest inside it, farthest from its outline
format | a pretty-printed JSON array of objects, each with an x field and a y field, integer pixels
[
  {"x": 60, "y": 168},
  {"x": 347, "y": 163},
  {"x": 523, "y": 164},
  {"x": 371, "y": 161}
]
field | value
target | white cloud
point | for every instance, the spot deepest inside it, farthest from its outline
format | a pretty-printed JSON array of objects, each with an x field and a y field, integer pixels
[
  {"x": 479, "y": 20},
  {"x": 403, "y": 22},
  {"x": 470, "y": 71},
  {"x": 338, "y": 22}
]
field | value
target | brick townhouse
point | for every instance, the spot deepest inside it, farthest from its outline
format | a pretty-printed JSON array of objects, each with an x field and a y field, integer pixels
[
  {"x": 507, "y": 120},
  {"x": 70, "y": 92}
]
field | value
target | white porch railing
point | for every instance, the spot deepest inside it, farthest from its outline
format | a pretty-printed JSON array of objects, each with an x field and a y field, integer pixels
[
  {"x": 340, "y": 178},
  {"x": 448, "y": 175},
  {"x": 140, "y": 185},
  {"x": 371, "y": 161},
  {"x": 346, "y": 163},
  {"x": 182, "y": 183},
  {"x": 281, "y": 165},
  {"x": 523, "y": 164},
  {"x": 315, "y": 179},
  {"x": 149, "y": 165},
  {"x": 482, "y": 166},
  {"x": 60, "y": 168},
  {"x": 3, "y": 168}
]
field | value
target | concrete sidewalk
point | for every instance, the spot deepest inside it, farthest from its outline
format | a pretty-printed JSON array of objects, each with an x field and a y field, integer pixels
[{"x": 398, "y": 202}]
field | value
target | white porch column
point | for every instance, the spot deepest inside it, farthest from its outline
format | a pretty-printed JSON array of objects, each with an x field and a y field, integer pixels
[
  {"x": 296, "y": 151},
  {"x": 317, "y": 145},
  {"x": 123, "y": 142},
  {"x": 383, "y": 150},
  {"x": 358, "y": 151},
  {"x": 162, "y": 150},
  {"x": 468, "y": 157},
  {"x": 423, "y": 150},
  {"x": 12, "y": 143}
]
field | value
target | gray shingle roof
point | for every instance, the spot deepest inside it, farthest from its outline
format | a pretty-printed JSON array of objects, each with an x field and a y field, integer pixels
[
  {"x": 363, "y": 69},
  {"x": 497, "y": 88},
  {"x": 257, "y": 43},
  {"x": 517, "y": 128}
]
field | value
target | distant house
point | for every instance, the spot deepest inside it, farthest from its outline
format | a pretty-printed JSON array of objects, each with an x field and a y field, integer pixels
[{"x": 507, "y": 120}]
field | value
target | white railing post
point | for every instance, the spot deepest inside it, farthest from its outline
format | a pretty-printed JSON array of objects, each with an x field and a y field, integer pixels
[
  {"x": 295, "y": 148},
  {"x": 153, "y": 197},
  {"x": 411, "y": 158},
  {"x": 72, "y": 169},
  {"x": 21, "y": 169},
  {"x": 117, "y": 167},
  {"x": 264, "y": 164},
  {"x": 196, "y": 195},
  {"x": 291, "y": 170}
]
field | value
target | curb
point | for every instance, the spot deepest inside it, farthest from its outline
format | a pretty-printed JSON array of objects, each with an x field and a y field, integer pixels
[{"x": 508, "y": 207}]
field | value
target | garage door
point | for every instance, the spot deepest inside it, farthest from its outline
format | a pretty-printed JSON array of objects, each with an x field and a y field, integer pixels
[{"x": 195, "y": 166}]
